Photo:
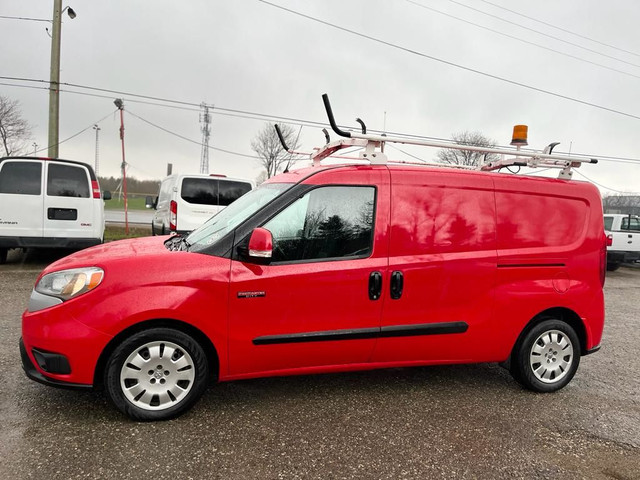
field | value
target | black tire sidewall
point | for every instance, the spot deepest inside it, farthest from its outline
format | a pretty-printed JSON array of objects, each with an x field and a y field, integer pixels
[
  {"x": 522, "y": 371},
  {"x": 127, "y": 346}
]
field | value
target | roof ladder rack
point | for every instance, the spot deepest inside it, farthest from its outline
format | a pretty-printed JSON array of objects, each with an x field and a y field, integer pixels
[{"x": 373, "y": 146}]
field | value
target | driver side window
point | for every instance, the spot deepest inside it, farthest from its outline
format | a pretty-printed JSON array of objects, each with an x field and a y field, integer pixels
[{"x": 326, "y": 223}]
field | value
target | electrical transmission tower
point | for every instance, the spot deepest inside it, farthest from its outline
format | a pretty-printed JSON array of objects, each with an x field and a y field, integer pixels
[{"x": 205, "y": 120}]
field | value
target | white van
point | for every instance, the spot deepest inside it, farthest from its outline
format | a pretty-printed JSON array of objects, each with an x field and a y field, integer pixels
[
  {"x": 186, "y": 201},
  {"x": 48, "y": 203}
]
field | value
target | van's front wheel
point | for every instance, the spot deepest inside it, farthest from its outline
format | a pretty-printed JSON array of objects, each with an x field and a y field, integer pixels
[
  {"x": 156, "y": 374},
  {"x": 547, "y": 358}
]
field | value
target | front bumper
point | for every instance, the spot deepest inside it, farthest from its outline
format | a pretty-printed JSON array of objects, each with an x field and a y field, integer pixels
[
  {"x": 53, "y": 335},
  {"x": 31, "y": 372}
]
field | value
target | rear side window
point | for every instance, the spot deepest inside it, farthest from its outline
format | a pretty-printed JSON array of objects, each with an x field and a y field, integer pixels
[
  {"x": 608, "y": 223},
  {"x": 211, "y": 191},
  {"x": 632, "y": 223},
  {"x": 230, "y": 191},
  {"x": 22, "y": 178},
  {"x": 328, "y": 222},
  {"x": 67, "y": 181},
  {"x": 200, "y": 190}
]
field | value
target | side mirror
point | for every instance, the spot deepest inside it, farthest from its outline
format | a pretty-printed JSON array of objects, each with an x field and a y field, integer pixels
[
  {"x": 148, "y": 202},
  {"x": 261, "y": 245},
  {"x": 106, "y": 195}
]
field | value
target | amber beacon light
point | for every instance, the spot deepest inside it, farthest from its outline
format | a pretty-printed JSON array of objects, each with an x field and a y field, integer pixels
[{"x": 519, "y": 137}]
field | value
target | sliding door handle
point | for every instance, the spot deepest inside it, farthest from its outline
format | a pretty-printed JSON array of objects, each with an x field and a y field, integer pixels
[
  {"x": 397, "y": 285},
  {"x": 375, "y": 285}
]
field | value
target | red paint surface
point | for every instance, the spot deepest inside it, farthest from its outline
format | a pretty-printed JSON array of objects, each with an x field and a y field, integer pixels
[{"x": 490, "y": 250}]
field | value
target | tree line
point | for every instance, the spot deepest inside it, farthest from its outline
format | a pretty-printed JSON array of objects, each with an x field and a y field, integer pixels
[{"x": 145, "y": 187}]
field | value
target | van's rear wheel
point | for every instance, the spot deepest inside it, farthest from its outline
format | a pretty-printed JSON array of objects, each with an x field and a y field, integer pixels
[
  {"x": 3, "y": 255},
  {"x": 153, "y": 230},
  {"x": 156, "y": 374},
  {"x": 547, "y": 358},
  {"x": 612, "y": 267}
]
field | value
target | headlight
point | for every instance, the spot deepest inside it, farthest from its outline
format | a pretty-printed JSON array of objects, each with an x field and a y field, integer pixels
[{"x": 67, "y": 284}]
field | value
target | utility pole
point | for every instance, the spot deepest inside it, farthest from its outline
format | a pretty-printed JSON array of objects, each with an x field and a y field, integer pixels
[
  {"x": 54, "y": 78},
  {"x": 120, "y": 104},
  {"x": 35, "y": 148},
  {"x": 205, "y": 120},
  {"x": 97, "y": 129}
]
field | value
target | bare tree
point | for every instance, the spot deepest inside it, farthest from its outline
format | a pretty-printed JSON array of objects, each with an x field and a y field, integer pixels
[
  {"x": 267, "y": 145},
  {"x": 14, "y": 130},
  {"x": 463, "y": 157}
]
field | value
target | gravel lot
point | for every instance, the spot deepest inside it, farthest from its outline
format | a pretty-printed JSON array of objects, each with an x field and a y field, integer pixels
[{"x": 466, "y": 422}]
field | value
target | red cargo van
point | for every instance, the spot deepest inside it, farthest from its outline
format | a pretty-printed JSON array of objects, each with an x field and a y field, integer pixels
[{"x": 332, "y": 268}]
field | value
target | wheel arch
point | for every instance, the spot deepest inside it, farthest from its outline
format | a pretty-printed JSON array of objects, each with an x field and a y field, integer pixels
[
  {"x": 204, "y": 341},
  {"x": 559, "y": 313}
]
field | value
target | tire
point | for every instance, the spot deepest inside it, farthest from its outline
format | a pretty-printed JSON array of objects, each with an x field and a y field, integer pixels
[
  {"x": 156, "y": 374},
  {"x": 153, "y": 229},
  {"x": 163, "y": 232},
  {"x": 612, "y": 267},
  {"x": 3, "y": 255},
  {"x": 547, "y": 357}
]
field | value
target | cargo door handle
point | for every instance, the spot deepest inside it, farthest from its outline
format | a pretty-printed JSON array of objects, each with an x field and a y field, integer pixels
[
  {"x": 375, "y": 285},
  {"x": 397, "y": 284}
]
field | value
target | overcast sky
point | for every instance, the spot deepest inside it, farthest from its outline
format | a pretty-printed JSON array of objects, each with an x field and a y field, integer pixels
[{"x": 249, "y": 56}]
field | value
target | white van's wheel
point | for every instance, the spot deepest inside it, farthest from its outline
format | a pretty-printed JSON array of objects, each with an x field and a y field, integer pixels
[
  {"x": 547, "y": 358},
  {"x": 3, "y": 255},
  {"x": 156, "y": 374},
  {"x": 153, "y": 230}
]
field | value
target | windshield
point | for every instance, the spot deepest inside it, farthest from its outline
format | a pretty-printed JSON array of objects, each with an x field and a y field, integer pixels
[{"x": 233, "y": 215}]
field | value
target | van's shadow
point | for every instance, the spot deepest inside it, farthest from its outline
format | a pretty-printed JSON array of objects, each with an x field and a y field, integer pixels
[
  {"x": 36, "y": 257},
  {"x": 441, "y": 383}
]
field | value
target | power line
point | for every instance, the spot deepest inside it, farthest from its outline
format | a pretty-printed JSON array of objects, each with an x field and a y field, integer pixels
[
  {"x": 452, "y": 64},
  {"x": 26, "y": 18},
  {"x": 78, "y": 133},
  {"x": 598, "y": 184},
  {"x": 182, "y": 105},
  {"x": 561, "y": 29},
  {"x": 523, "y": 40},
  {"x": 166, "y": 130},
  {"x": 542, "y": 33},
  {"x": 274, "y": 118}
]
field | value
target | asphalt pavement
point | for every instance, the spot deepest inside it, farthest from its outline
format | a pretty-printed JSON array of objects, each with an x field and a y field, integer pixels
[{"x": 464, "y": 422}]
